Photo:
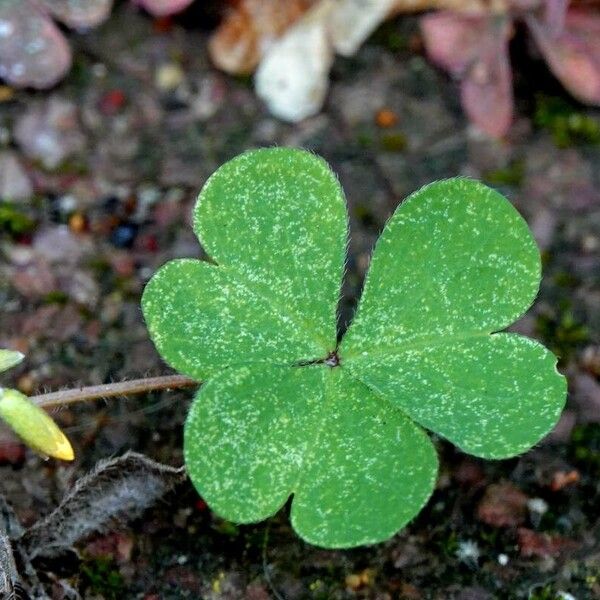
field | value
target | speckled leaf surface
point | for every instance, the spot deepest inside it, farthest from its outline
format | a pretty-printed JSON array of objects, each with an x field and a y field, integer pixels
[
  {"x": 370, "y": 470},
  {"x": 455, "y": 263},
  {"x": 493, "y": 396},
  {"x": 203, "y": 319},
  {"x": 357, "y": 467},
  {"x": 274, "y": 221},
  {"x": 276, "y": 218},
  {"x": 344, "y": 434},
  {"x": 247, "y": 435},
  {"x": 455, "y": 260}
]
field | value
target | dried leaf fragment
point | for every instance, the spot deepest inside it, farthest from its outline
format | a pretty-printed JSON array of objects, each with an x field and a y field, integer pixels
[
  {"x": 532, "y": 543},
  {"x": 248, "y": 29},
  {"x": 573, "y": 53},
  {"x": 9, "y": 576},
  {"x": 293, "y": 75},
  {"x": 116, "y": 489},
  {"x": 353, "y": 21},
  {"x": 474, "y": 49},
  {"x": 503, "y": 505}
]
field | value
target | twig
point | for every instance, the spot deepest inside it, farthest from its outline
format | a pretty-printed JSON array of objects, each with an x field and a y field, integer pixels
[{"x": 111, "y": 390}]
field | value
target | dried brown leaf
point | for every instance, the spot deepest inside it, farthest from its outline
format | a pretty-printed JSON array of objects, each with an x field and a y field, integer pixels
[{"x": 117, "y": 489}]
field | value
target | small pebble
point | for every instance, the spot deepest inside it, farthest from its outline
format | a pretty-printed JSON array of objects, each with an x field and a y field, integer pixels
[
  {"x": 590, "y": 243},
  {"x": 124, "y": 235},
  {"x": 168, "y": 77},
  {"x": 99, "y": 70},
  {"x": 538, "y": 507},
  {"x": 112, "y": 102},
  {"x": 468, "y": 552},
  {"x": 67, "y": 203}
]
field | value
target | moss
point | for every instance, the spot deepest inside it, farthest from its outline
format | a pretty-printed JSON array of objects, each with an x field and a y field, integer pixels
[
  {"x": 244, "y": 79},
  {"x": 14, "y": 221},
  {"x": 73, "y": 166},
  {"x": 80, "y": 75},
  {"x": 544, "y": 593},
  {"x": 101, "y": 576},
  {"x": 585, "y": 448},
  {"x": 217, "y": 581},
  {"x": 390, "y": 37},
  {"x": 511, "y": 175},
  {"x": 56, "y": 297},
  {"x": 70, "y": 166},
  {"x": 568, "y": 126},
  {"x": 565, "y": 279},
  {"x": 364, "y": 139},
  {"x": 226, "y": 528},
  {"x": 393, "y": 142},
  {"x": 319, "y": 590},
  {"x": 562, "y": 332}
]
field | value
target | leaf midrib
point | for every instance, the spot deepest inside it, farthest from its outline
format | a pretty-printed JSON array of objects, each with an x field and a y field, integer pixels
[
  {"x": 381, "y": 396},
  {"x": 303, "y": 325},
  {"x": 423, "y": 342},
  {"x": 313, "y": 443}
]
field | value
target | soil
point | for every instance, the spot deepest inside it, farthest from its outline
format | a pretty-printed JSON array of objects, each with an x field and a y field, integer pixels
[{"x": 116, "y": 205}]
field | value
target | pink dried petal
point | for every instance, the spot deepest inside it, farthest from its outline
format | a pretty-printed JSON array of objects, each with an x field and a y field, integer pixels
[
  {"x": 452, "y": 40},
  {"x": 486, "y": 90},
  {"x": 521, "y": 6},
  {"x": 574, "y": 54},
  {"x": 556, "y": 12},
  {"x": 79, "y": 14},
  {"x": 162, "y": 8},
  {"x": 585, "y": 22},
  {"x": 33, "y": 51}
]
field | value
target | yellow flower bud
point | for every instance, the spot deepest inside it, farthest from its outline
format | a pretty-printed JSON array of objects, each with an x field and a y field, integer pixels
[
  {"x": 33, "y": 425},
  {"x": 9, "y": 359}
]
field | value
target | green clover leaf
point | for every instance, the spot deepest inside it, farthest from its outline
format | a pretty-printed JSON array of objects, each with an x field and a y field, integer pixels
[{"x": 285, "y": 410}]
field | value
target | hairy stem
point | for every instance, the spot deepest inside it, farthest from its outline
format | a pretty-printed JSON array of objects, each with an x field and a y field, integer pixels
[{"x": 112, "y": 390}]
